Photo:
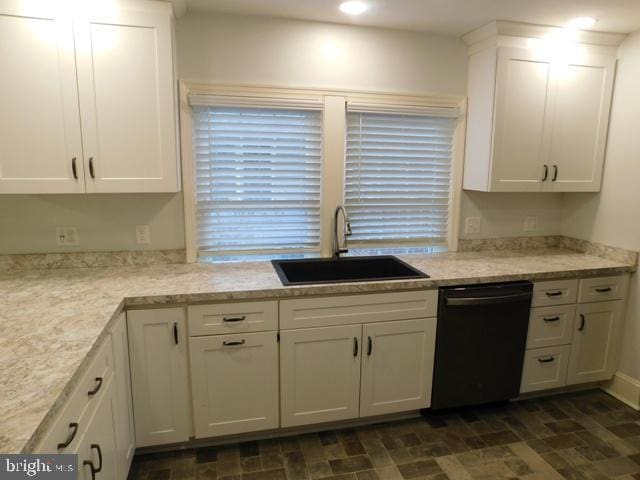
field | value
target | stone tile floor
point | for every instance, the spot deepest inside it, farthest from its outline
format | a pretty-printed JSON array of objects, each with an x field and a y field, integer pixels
[{"x": 585, "y": 435}]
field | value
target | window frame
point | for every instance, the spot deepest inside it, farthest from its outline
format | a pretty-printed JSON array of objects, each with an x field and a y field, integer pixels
[{"x": 334, "y": 132}]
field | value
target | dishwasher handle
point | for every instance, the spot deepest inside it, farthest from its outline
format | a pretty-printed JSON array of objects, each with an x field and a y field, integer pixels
[{"x": 470, "y": 301}]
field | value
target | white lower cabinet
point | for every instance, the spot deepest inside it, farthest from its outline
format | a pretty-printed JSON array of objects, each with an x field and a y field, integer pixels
[
  {"x": 320, "y": 374},
  {"x": 159, "y": 375},
  {"x": 97, "y": 453},
  {"x": 397, "y": 366},
  {"x": 125, "y": 433},
  {"x": 569, "y": 343},
  {"x": 545, "y": 368},
  {"x": 595, "y": 340},
  {"x": 344, "y": 372},
  {"x": 234, "y": 383}
]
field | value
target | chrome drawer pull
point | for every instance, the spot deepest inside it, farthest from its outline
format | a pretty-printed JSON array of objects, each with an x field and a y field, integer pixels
[
  {"x": 551, "y": 319},
  {"x": 546, "y": 359},
  {"x": 230, "y": 344},
  {"x": 91, "y": 393},
  {"x": 603, "y": 290},
  {"x": 74, "y": 430},
  {"x": 234, "y": 319}
]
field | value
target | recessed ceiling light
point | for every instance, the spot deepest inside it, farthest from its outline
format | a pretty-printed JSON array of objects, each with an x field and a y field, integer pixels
[
  {"x": 353, "y": 7},
  {"x": 582, "y": 23}
]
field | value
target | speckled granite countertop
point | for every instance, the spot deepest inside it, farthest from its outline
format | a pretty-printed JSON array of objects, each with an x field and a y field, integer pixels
[{"x": 52, "y": 321}]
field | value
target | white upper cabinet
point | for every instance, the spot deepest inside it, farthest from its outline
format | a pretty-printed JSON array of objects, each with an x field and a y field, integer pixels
[
  {"x": 88, "y": 101},
  {"x": 538, "y": 109},
  {"x": 520, "y": 113},
  {"x": 580, "y": 116},
  {"x": 39, "y": 117},
  {"x": 127, "y": 102}
]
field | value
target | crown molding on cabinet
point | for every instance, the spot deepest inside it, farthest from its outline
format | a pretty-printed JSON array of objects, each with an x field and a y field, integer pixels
[{"x": 492, "y": 33}]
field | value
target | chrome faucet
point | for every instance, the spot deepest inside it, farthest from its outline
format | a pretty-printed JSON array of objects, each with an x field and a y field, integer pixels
[{"x": 346, "y": 232}]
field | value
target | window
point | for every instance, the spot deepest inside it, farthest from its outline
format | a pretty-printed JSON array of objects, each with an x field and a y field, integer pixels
[
  {"x": 257, "y": 181},
  {"x": 398, "y": 174}
]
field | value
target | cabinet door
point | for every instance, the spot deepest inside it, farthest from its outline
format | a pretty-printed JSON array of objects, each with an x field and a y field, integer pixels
[
  {"x": 98, "y": 444},
  {"x": 39, "y": 117},
  {"x": 159, "y": 375},
  {"x": 595, "y": 342},
  {"x": 127, "y": 100},
  {"x": 397, "y": 366},
  {"x": 580, "y": 108},
  {"x": 519, "y": 136},
  {"x": 319, "y": 374},
  {"x": 125, "y": 434},
  {"x": 234, "y": 383}
]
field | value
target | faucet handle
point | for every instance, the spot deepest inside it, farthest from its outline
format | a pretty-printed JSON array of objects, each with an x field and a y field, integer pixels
[{"x": 347, "y": 229}]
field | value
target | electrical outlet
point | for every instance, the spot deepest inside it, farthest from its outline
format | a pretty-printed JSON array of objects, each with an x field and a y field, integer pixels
[
  {"x": 472, "y": 225},
  {"x": 67, "y": 236},
  {"x": 143, "y": 234},
  {"x": 530, "y": 224}
]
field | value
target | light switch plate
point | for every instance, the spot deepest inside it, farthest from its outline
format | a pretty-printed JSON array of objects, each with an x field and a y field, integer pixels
[
  {"x": 530, "y": 224},
  {"x": 472, "y": 225}
]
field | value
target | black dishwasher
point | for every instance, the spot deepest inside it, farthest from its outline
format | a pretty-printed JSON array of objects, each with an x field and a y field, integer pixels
[{"x": 480, "y": 343}]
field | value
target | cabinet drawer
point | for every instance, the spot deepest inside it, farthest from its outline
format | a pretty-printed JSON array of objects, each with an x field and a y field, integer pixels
[
  {"x": 545, "y": 368},
  {"x": 344, "y": 310},
  {"x": 234, "y": 383},
  {"x": 80, "y": 405},
  {"x": 556, "y": 292},
  {"x": 551, "y": 326},
  {"x": 603, "y": 288},
  {"x": 239, "y": 317}
]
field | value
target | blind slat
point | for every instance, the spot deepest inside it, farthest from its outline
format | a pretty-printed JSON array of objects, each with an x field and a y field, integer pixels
[
  {"x": 398, "y": 177},
  {"x": 257, "y": 175}
]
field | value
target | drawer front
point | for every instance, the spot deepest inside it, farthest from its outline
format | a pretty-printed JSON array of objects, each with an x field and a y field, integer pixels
[
  {"x": 239, "y": 317},
  {"x": 603, "y": 288},
  {"x": 545, "y": 368},
  {"x": 351, "y": 309},
  {"x": 551, "y": 326},
  {"x": 556, "y": 292},
  {"x": 72, "y": 422}
]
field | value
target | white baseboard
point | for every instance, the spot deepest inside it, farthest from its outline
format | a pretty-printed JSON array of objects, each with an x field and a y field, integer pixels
[{"x": 624, "y": 388}]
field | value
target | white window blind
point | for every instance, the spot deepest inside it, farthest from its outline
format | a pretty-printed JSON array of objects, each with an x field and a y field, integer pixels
[
  {"x": 398, "y": 178},
  {"x": 257, "y": 175}
]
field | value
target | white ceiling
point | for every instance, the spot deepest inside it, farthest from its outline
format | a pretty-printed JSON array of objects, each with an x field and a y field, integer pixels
[{"x": 453, "y": 17}]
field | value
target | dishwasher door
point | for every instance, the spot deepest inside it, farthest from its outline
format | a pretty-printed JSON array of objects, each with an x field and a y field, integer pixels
[{"x": 480, "y": 343}]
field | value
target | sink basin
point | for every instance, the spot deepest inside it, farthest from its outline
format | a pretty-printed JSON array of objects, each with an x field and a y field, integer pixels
[{"x": 342, "y": 270}]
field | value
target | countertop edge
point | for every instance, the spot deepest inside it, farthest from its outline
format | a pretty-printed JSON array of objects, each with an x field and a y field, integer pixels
[{"x": 68, "y": 389}]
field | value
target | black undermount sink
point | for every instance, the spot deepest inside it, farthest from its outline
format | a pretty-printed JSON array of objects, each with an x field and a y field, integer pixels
[{"x": 342, "y": 270}]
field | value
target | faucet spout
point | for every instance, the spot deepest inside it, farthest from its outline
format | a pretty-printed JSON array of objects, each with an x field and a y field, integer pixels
[{"x": 346, "y": 232}]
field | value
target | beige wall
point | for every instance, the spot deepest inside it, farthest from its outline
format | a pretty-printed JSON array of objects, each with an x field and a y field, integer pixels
[
  {"x": 613, "y": 215},
  {"x": 104, "y": 222},
  {"x": 253, "y": 50},
  {"x": 257, "y": 50}
]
